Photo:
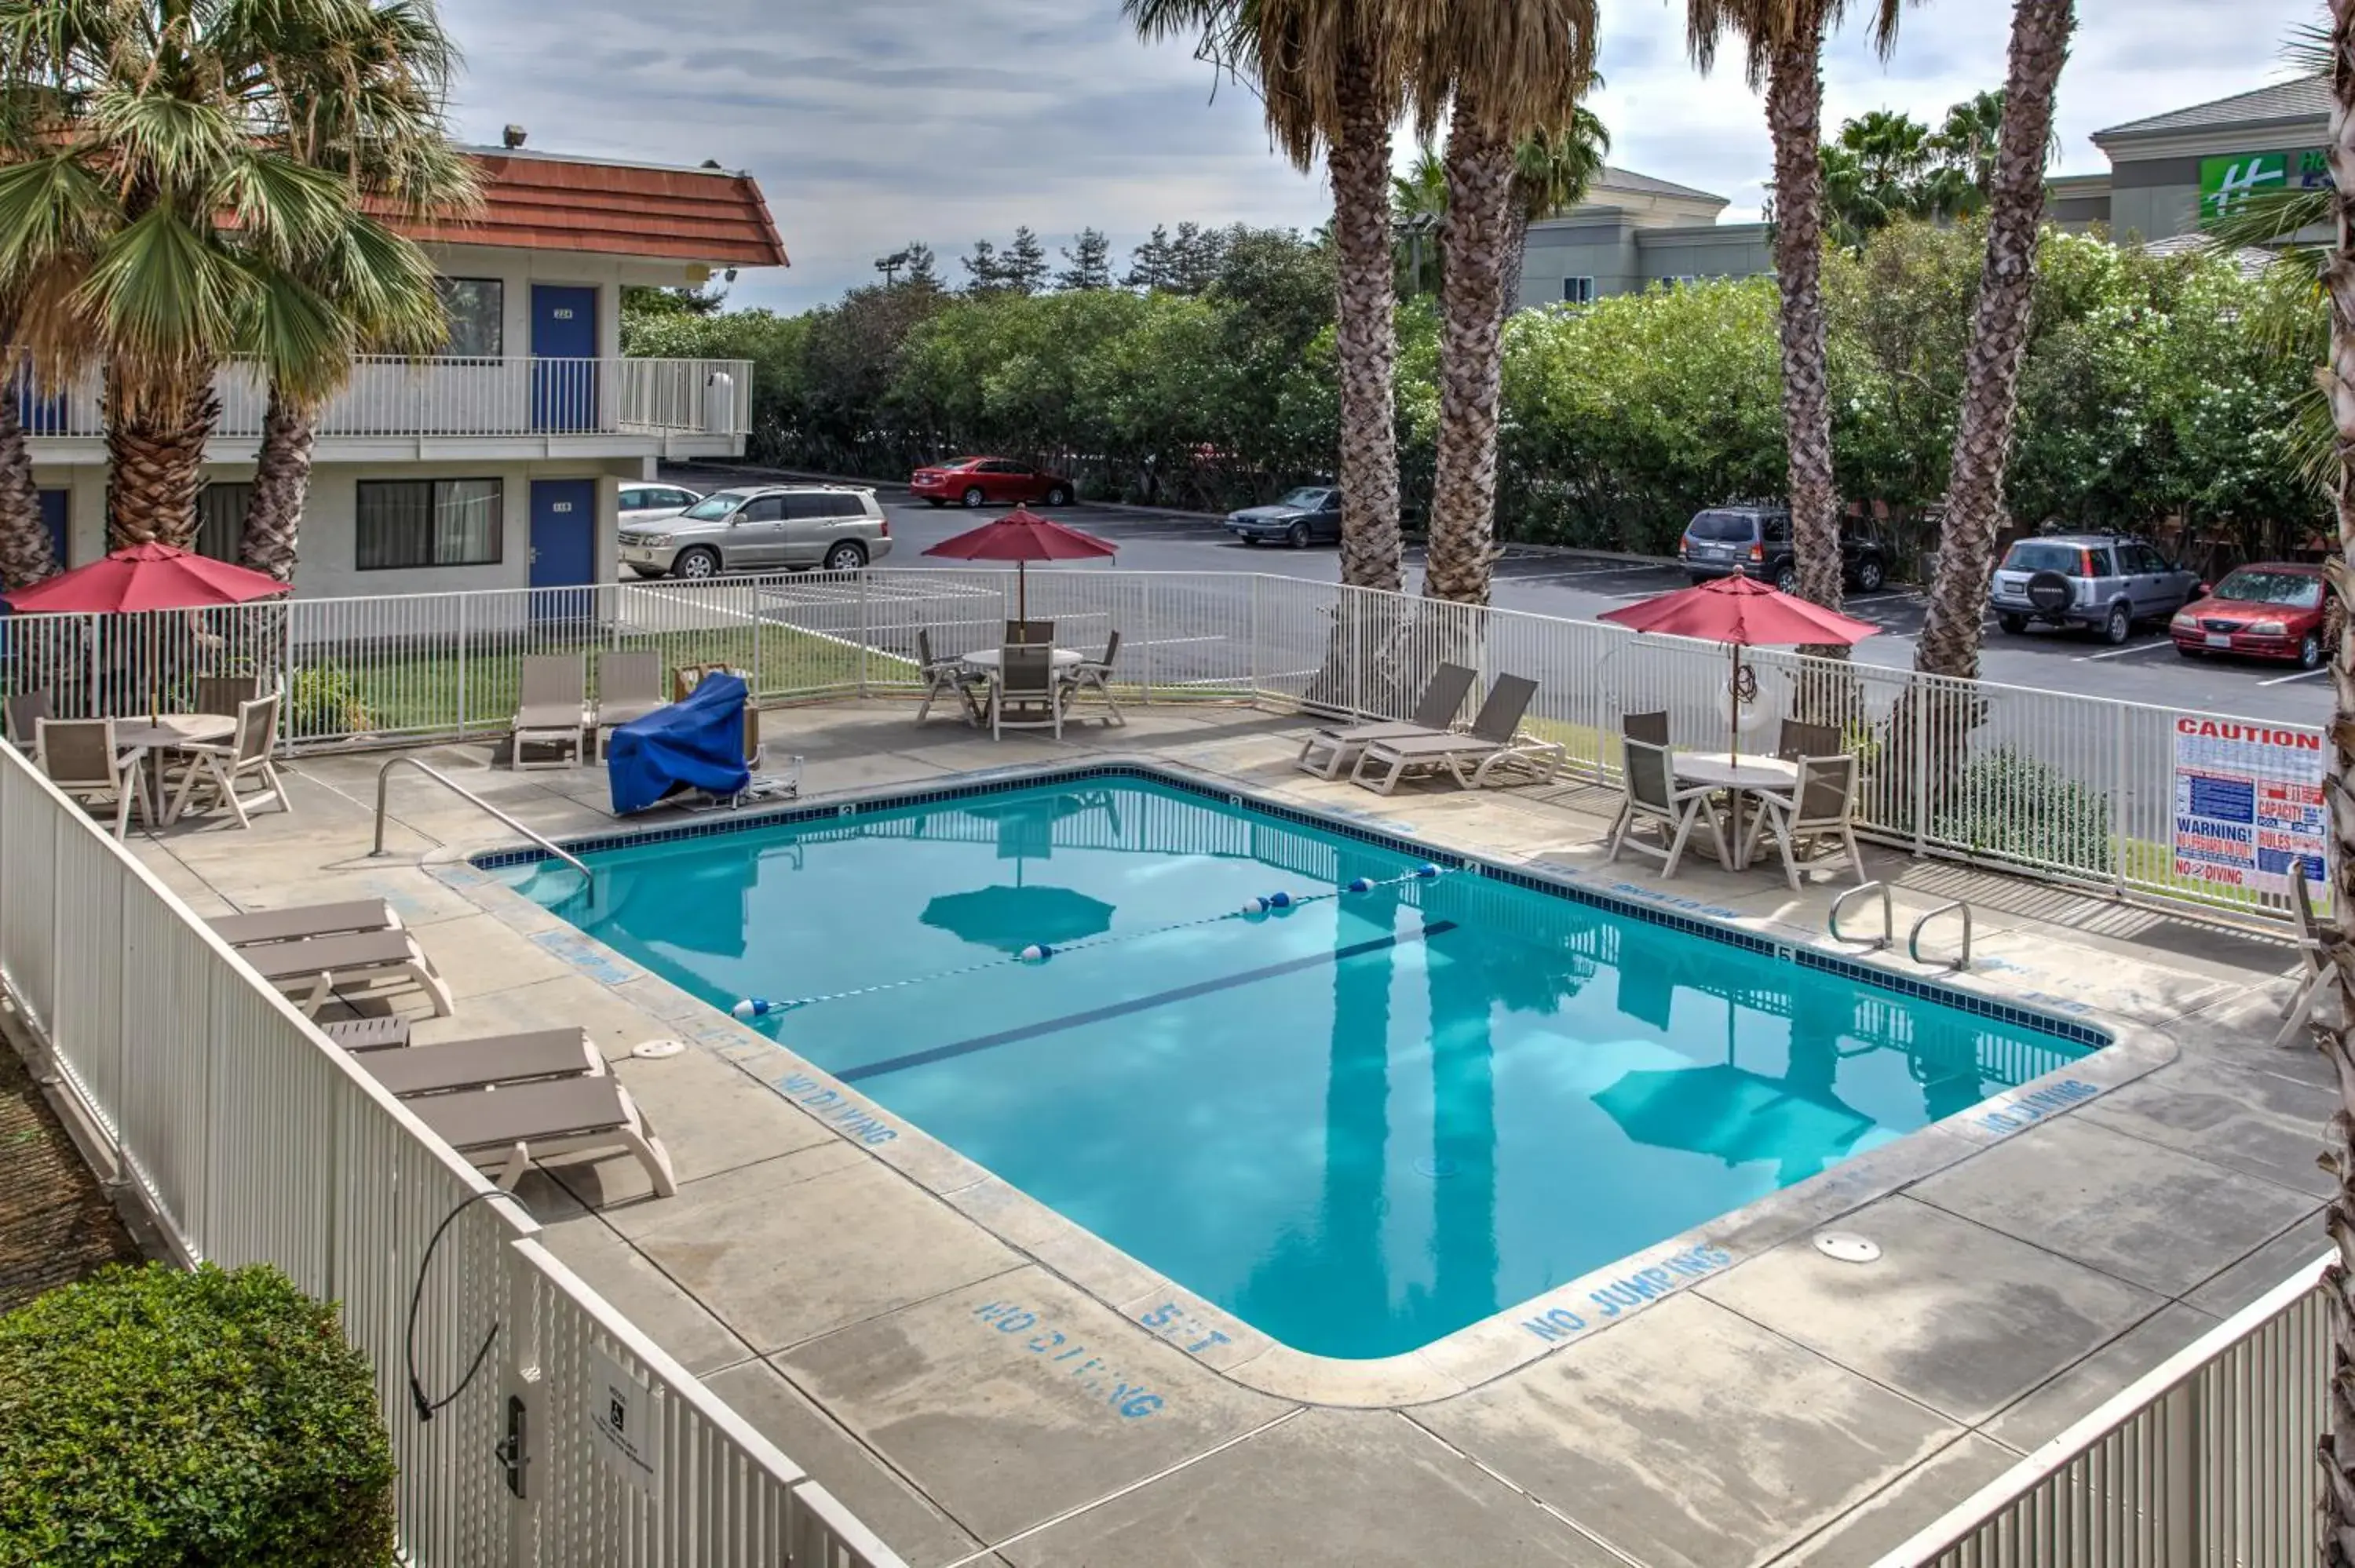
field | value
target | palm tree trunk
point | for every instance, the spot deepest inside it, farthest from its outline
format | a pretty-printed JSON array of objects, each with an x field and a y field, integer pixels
[
  {"x": 1477, "y": 239},
  {"x": 26, "y": 556},
  {"x": 281, "y": 487},
  {"x": 1795, "y": 112},
  {"x": 155, "y": 461},
  {"x": 1950, "y": 638},
  {"x": 1365, "y": 333},
  {"x": 2335, "y": 1018}
]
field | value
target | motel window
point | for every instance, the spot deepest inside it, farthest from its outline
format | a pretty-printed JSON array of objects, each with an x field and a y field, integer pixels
[
  {"x": 426, "y": 523},
  {"x": 1578, "y": 291},
  {"x": 475, "y": 307},
  {"x": 220, "y": 519}
]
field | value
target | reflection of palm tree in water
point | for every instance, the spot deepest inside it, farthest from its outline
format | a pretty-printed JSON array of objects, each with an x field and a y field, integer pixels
[{"x": 1463, "y": 1113}]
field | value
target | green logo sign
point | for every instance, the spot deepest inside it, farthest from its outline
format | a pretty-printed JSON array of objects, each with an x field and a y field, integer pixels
[{"x": 2226, "y": 182}]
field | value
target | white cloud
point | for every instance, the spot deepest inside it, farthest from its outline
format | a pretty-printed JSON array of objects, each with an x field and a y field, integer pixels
[{"x": 870, "y": 122}]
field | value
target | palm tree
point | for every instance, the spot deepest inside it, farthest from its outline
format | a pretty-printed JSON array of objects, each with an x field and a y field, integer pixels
[
  {"x": 1552, "y": 167},
  {"x": 155, "y": 176},
  {"x": 1506, "y": 69},
  {"x": 1418, "y": 207},
  {"x": 368, "y": 101},
  {"x": 25, "y": 552},
  {"x": 1784, "y": 41},
  {"x": 1329, "y": 74},
  {"x": 2041, "y": 30}
]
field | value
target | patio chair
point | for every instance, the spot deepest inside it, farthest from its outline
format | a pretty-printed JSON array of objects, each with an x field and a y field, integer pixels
[
  {"x": 262, "y": 926},
  {"x": 221, "y": 693},
  {"x": 1649, "y": 777},
  {"x": 1651, "y": 728},
  {"x": 532, "y": 1056},
  {"x": 1819, "y": 807},
  {"x": 1329, "y": 750},
  {"x": 1493, "y": 741},
  {"x": 2315, "y": 938},
  {"x": 81, "y": 759},
  {"x": 1031, "y": 633},
  {"x": 1095, "y": 675},
  {"x": 1027, "y": 689},
  {"x": 551, "y": 709},
  {"x": 21, "y": 711},
  {"x": 1801, "y": 739},
  {"x": 218, "y": 769},
  {"x": 312, "y": 970},
  {"x": 946, "y": 678},
  {"x": 384, "y": 1032},
  {"x": 629, "y": 686},
  {"x": 510, "y": 1128}
]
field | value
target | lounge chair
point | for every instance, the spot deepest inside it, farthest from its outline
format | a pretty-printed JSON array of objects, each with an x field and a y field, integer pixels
[
  {"x": 2315, "y": 937},
  {"x": 1494, "y": 741},
  {"x": 946, "y": 678},
  {"x": 22, "y": 711},
  {"x": 385, "y": 1031},
  {"x": 261, "y": 926},
  {"x": 312, "y": 970},
  {"x": 1648, "y": 774},
  {"x": 629, "y": 686},
  {"x": 533, "y": 1056},
  {"x": 1095, "y": 675},
  {"x": 1329, "y": 750},
  {"x": 551, "y": 709},
  {"x": 81, "y": 759},
  {"x": 246, "y": 755},
  {"x": 1800, "y": 738},
  {"x": 1651, "y": 728},
  {"x": 1819, "y": 807},
  {"x": 510, "y": 1128},
  {"x": 1027, "y": 694}
]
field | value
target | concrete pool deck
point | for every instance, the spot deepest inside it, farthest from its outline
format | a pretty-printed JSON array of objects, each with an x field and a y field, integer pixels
[{"x": 913, "y": 1351}]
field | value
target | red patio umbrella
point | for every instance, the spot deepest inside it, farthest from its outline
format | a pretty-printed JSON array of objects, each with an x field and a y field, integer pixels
[
  {"x": 1022, "y": 536},
  {"x": 144, "y": 577},
  {"x": 1742, "y": 613}
]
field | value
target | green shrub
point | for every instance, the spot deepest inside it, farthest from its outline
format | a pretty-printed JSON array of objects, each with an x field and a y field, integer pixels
[
  {"x": 154, "y": 1417},
  {"x": 2009, "y": 803},
  {"x": 326, "y": 700}
]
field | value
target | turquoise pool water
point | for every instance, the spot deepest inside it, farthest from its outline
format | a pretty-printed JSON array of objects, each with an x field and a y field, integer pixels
[{"x": 1359, "y": 1123}]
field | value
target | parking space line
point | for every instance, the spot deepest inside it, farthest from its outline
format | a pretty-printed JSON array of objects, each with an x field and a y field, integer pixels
[
  {"x": 1877, "y": 598},
  {"x": 2122, "y": 652},
  {"x": 2301, "y": 675}
]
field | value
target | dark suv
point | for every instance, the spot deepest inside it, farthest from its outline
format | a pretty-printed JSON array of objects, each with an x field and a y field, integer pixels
[{"x": 1756, "y": 540}]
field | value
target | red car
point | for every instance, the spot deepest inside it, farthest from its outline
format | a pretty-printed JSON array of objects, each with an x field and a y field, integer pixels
[
  {"x": 986, "y": 481},
  {"x": 2272, "y": 609}
]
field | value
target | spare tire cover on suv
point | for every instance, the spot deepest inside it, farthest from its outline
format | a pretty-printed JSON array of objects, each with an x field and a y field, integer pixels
[{"x": 2051, "y": 592}]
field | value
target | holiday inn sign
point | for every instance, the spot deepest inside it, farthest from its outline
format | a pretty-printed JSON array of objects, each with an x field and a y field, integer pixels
[{"x": 2224, "y": 182}]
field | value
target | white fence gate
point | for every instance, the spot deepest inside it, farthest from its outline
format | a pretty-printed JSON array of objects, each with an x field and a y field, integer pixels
[{"x": 249, "y": 1139}]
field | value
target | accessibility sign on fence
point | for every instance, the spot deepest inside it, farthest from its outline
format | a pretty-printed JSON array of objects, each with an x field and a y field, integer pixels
[{"x": 2248, "y": 804}]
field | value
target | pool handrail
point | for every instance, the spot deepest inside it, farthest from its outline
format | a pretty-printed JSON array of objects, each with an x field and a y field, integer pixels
[
  {"x": 457, "y": 789},
  {"x": 1913, "y": 942},
  {"x": 1888, "y": 915}
]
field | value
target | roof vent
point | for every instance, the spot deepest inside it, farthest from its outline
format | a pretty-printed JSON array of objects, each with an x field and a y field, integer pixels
[
  {"x": 512, "y": 137},
  {"x": 713, "y": 164}
]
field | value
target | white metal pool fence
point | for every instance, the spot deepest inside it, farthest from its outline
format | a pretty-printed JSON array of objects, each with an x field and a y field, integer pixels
[
  {"x": 2068, "y": 788},
  {"x": 2207, "y": 1461},
  {"x": 246, "y": 1138}
]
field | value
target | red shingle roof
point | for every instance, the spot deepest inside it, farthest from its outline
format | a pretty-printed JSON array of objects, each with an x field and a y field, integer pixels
[{"x": 535, "y": 202}]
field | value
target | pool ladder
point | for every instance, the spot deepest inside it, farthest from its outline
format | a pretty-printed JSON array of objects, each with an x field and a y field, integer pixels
[
  {"x": 457, "y": 789},
  {"x": 1889, "y": 928}
]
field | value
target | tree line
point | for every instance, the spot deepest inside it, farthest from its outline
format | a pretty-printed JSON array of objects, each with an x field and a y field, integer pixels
[{"x": 2152, "y": 388}]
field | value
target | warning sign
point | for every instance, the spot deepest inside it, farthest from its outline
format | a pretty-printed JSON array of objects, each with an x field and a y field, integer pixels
[
  {"x": 622, "y": 1423},
  {"x": 2248, "y": 804}
]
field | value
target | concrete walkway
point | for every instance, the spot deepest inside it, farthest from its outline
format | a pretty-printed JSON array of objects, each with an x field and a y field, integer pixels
[{"x": 854, "y": 1301}]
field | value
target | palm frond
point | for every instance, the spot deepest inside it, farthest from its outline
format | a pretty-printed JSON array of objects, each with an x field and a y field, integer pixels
[
  {"x": 162, "y": 296},
  {"x": 2269, "y": 217},
  {"x": 280, "y": 208},
  {"x": 302, "y": 338},
  {"x": 52, "y": 209}
]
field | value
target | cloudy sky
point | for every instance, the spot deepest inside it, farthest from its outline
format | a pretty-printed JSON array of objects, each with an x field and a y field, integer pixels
[{"x": 872, "y": 122}]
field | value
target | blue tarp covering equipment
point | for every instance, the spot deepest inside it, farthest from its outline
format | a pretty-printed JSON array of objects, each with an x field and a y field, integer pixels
[{"x": 696, "y": 744}]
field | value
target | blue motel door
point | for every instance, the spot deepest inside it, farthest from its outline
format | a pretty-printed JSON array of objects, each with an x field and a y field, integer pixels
[
  {"x": 563, "y": 548},
  {"x": 564, "y": 358}
]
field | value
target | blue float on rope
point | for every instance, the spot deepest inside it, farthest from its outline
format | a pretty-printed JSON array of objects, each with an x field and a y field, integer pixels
[
  {"x": 1426, "y": 871},
  {"x": 1279, "y": 901},
  {"x": 1362, "y": 885},
  {"x": 1036, "y": 953},
  {"x": 756, "y": 1007}
]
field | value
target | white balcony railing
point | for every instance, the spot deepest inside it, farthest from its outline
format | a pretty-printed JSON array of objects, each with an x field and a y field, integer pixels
[{"x": 407, "y": 399}]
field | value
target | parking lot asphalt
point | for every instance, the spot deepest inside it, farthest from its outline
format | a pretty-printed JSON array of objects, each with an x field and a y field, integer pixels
[{"x": 2146, "y": 669}]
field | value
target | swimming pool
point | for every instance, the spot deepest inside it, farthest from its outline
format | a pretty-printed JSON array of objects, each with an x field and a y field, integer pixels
[{"x": 1419, "y": 1091}]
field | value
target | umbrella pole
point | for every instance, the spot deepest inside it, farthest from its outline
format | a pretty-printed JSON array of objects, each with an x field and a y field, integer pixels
[
  {"x": 1733, "y": 707},
  {"x": 1021, "y": 590}
]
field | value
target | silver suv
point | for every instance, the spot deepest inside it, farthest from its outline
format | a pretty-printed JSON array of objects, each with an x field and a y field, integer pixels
[
  {"x": 2103, "y": 582},
  {"x": 767, "y": 528}
]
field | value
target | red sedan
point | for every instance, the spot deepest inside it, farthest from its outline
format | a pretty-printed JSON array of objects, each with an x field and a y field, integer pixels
[
  {"x": 988, "y": 481},
  {"x": 2270, "y": 610}
]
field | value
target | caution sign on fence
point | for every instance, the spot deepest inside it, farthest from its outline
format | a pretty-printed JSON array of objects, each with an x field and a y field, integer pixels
[{"x": 2248, "y": 804}]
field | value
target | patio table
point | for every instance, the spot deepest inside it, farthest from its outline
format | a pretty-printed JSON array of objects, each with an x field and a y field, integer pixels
[
  {"x": 145, "y": 741},
  {"x": 1738, "y": 776}
]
